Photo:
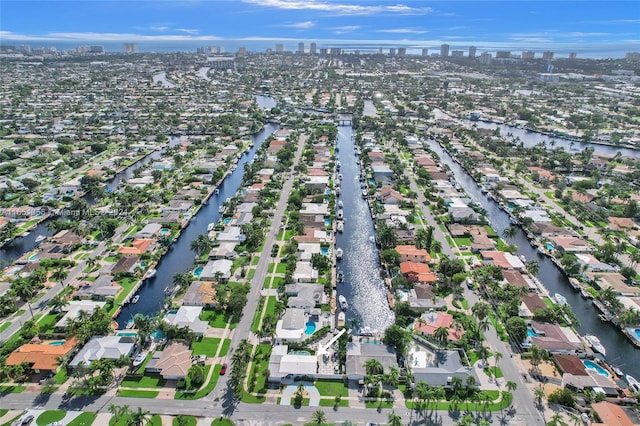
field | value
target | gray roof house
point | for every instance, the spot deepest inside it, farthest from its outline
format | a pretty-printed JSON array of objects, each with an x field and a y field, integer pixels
[
  {"x": 305, "y": 272},
  {"x": 213, "y": 267},
  {"x": 103, "y": 288},
  {"x": 304, "y": 296},
  {"x": 283, "y": 365},
  {"x": 101, "y": 347},
  {"x": 291, "y": 326},
  {"x": 358, "y": 353},
  {"x": 440, "y": 370},
  {"x": 188, "y": 316}
]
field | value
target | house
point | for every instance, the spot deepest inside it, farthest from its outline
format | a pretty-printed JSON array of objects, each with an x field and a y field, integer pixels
[
  {"x": 611, "y": 414},
  {"x": 172, "y": 363},
  {"x": 41, "y": 357},
  {"x": 464, "y": 215},
  {"x": 178, "y": 206},
  {"x": 313, "y": 214},
  {"x": 305, "y": 272},
  {"x": 126, "y": 264},
  {"x": 417, "y": 272},
  {"x": 502, "y": 259},
  {"x": 570, "y": 244},
  {"x": 66, "y": 237},
  {"x": 410, "y": 253},
  {"x": 589, "y": 262},
  {"x": 188, "y": 316},
  {"x": 74, "y": 307},
  {"x": 200, "y": 293},
  {"x": 616, "y": 280},
  {"x": 216, "y": 270},
  {"x": 388, "y": 195},
  {"x": 102, "y": 288},
  {"x": 104, "y": 347},
  {"x": 430, "y": 322},
  {"x": 231, "y": 234},
  {"x": 138, "y": 247},
  {"x": 530, "y": 303},
  {"x": 307, "y": 250},
  {"x": 291, "y": 326},
  {"x": 554, "y": 338},
  {"x": 437, "y": 368},
  {"x": 226, "y": 250},
  {"x": 423, "y": 298},
  {"x": 283, "y": 365},
  {"x": 359, "y": 353},
  {"x": 150, "y": 230},
  {"x": 304, "y": 296},
  {"x": 382, "y": 173}
]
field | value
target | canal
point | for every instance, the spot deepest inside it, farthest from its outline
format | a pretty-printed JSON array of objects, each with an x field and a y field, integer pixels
[
  {"x": 180, "y": 258},
  {"x": 363, "y": 285},
  {"x": 620, "y": 352}
]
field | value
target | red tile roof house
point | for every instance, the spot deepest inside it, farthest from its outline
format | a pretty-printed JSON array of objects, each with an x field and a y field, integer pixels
[
  {"x": 41, "y": 357},
  {"x": 417, "y": 272},
  {"x": 409, "y": 253},
  {"x": 429, "y": 322}
]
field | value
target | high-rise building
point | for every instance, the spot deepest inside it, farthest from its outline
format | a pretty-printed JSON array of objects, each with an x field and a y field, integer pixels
[
  {"x": 485, "y": 58},
  {"x": 503, "y": 54},
  {"x": 547, "y": 55},
  {"x": 573, "y": 55},
  {"x": 324, "y": 51},
  {"x": 279, "y": 48},
  {"x": 457, "y": 53},
  {"x": 130, "y": 47},
  {"x": 312, "y": 49},
  {"x": 472, "y": 51},
  {"x": 301, "y": 47},
  {"x": 425, "y": 52},
  {"x": 444, "y": 50},
  {"x": 242, "y": 51},
  {"x": 402, "y": 51},
  {"x": 83, "y": 49},
  {"x": 392, "y": 51},
  {"x": 96, "y": 49},
  {"x": 335, "y": 51},
  {"x": 25, "y": 48},
  {"x": 528, "y": 54}
]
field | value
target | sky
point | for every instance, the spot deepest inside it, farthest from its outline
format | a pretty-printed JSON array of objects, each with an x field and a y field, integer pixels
[{"x": 590, "y": 28}]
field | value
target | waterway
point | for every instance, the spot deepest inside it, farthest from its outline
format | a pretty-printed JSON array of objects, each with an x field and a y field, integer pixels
[
  {"x": 162, "y": 79},
  {"x": 180, "y": 258},
  {"x": 620, "y": 352},
  {"x": 363, "y": 285}
]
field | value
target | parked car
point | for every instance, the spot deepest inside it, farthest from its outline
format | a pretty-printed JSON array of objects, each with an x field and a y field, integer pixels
[
  {"x": 223, "y": 370},
  {"x": 27, "y": 420}
]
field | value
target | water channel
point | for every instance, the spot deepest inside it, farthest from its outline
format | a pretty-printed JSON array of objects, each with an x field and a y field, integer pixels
[
  {"x": 180, "y": 257},
  {"x": 620, "y": 352},
  {"x": 363, "y": 285}
]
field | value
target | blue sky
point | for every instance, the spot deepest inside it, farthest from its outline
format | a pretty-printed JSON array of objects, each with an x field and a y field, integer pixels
[{"x": 591, "y": 28}]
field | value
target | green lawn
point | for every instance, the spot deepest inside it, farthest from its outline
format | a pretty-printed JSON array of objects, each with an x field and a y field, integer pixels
[
  {"x": 50, "y": 416},
  {"x": 214, "y": 318},
  {"x": 205, "y": 390},
  {"x": 4, "y": 326},
  {"x": 84, "y": 419},
  {"x": 155, "y": 420},
  {"x": 259, "y": 366},
  {"x": 331, "y": 388},
  {"x": 493, "y": 371},
  {"x": 222, "y": 422},
  {"x": 281, "y": 268},
  {"x": 138, "y": 393},
  {"x": 3, "y": 411},
  {"x": 376, "y": 404},
  {"x": 47, "y": 323},
  {"x": 331, "y": 403},
  {"x": 190, "y": 421},
  {"x": 207, "y": 346},
  {"x": 126, "y": 284},
  {"x": 463, "y": 241},
  {"x": 150, "y": 381},
  {"x": 255, "y": 323},
  {"x": 61, "y": 376},
  {"x": 225, "y": 347},
  {"x": 12, "y": 389}
]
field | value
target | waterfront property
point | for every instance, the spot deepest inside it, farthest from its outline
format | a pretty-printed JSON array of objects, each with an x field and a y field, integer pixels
[
  {"x": 104, "y": 347},
  {"x": 172, "y": 363},
  {"x": 42, "y": 357}
]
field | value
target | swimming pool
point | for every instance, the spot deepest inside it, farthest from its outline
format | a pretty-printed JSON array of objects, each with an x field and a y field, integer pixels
[
  {"x": 593, "y": 366},
  {"x": 637, "y": 333},
  {"x": 57, "y": 343},
  {"x": 227, "y": 220},
  {"x": 532, "y": 333},
  {"x": 301, "y": 353},
  {"x": 327, "y": 222},
  {"x": 165, "y": 231},
  {"x": 198, "y": 272},
  {"x": 33, "y": 257},
  {"x": 310, "y": 328},
  {"x": 157, "y": 335},
  {"x": 324, "y": 251},
  {"x": 126, "y": 334},
  {"x": 549, "y": 246}
]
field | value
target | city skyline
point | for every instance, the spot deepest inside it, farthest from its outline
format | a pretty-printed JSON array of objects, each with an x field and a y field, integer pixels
[{"x": 563, "y": 27}]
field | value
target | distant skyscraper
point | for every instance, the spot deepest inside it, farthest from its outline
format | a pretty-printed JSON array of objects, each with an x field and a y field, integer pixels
[
  {"x": 444, "y": 50},
  {"x": 96, "y": 49},
  {"x": 300, "y": 47},
  {"x": 83, "y": 49},
  {"x": 402, "y": 51},
  {"x": 392, "y": 51},
  {"x": 242, "y": 51},
  {"x": 547, "y": 55},
  {"x": 503, "y": 54},
  {"x": 472, "y": 51},
  {"x": 485, "y": 58},
  {"x": 312, "y": 49},
  {"x": 425, "y": 52},
  {"x": 529, "y": 54},
  {"x": 25, "y": 48},
  {"x": 457, "y": 53},
  {"x": 279, "y": 48},
  {"x": 130, "y": 47},
  {"x": 335, "y": 51},
  {"x": 573, "y": 55}
]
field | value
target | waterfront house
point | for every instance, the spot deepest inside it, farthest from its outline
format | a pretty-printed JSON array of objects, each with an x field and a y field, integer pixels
[
  {"x": 388, "y": 195},
  {"x": 463, "y": 214},
  {"x": 616, "y": 280},
  {"x": 150, "y": 230},
  {"x": 305, "y": 272},
  {"x": 502, "y": 259},
  {"x": 172, "y": 363},
  {"x": 200, "y": 293},
  {"x": 316, "y": 182},
  {"x": 589, "y": 262},
  {"x": 74, "y": 307},
  {"x": 216, "y": 270},
  {"x": 570, "y": 244},
  {"x": 307, "y": 250},
  {"x": 104, "y": 347},
  {"x": 410, "y": 253},
  {"x": 611, "y": 414},
  {"x": 422, "y": 297},
  {"x": 291, "y": 326},
  {"x": 187, "y": 316},
  {"x": 548, "y": 230},
  {"x": 429, "y": 322},
  {"x": 102, "y": 288},
  {"x": 358, "y": 353},
  {"x": 416, "y": 272},
  {"x": 225, "y": 250},
  {"x": 138, "y": 247},
  {"x": 41, "y": 357},
  {"x": 530, "y": 303},
  {"x": 284, "y": 365},
  {"x": 178, "y": 206},
  {"x": 313, "y": 214},
  {"x": 553, "y": 338},
  {"x": 126, "y": 264},
  {"x": 304, "y": 296},
  {"x": 437, "y": 368},
  {"x": 382, "y": 174},
  {"x": 231, "y": 234}
]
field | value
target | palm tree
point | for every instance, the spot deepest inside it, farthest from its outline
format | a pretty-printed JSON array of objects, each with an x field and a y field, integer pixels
[
  {"x": 201, "y": 245},
  {"x": 496, "y": 357},
  {"x": 24, "y": 291},
  {"x": 533, "y": 267},
  {"x": 181, "y": 279},
  {"x": 391, "y": 379},
  {"x": 58, "y": 302},
  {"x": 511, "y": 385},
  {"x": 538, "y": 393},
  {"x": 441, "y": 335},
  {"x": 373, "y": 366},
  {"x": 115, "y": 411},
  {"x": 557, "y": 420},
  {"x": 318, "y": 418},
  {"x": 140, "y": 417},
  {"x": 60, "y": 275},
  {"x": 394, "y": 419},
  {"x": 480, "y": 310},
  {"x": 509, "y": 232}
]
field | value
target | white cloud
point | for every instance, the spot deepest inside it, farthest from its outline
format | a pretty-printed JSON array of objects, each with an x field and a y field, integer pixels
[
  {"x": 341, "y": 8},
  {"x": 346, "y": 29},
  {"x": 188, "y": 31},
  {"x": 300, "y": 25},
  {"x": 159, "y": 28},
  {"x": 403, "y": 31},
  {"x": 91, "y": 36}
]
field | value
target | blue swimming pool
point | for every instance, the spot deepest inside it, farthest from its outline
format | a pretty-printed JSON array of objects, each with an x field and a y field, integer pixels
[
  {"x": 157, "y": 335},
  {"x": 593, "y": 366},
  {"x": 57, "y": 343},
  {"x": 324, "y": 251},
  {"x": 532, "y": 333},
  {"x": 198, "y": 271},
  {"x": 165, "y": 231},
  {"x": 327, "y": 222},
  {"x": 310, "y": 328},
  {"x": 227, "y": 220},
  {"x": 549, "y": 246}
]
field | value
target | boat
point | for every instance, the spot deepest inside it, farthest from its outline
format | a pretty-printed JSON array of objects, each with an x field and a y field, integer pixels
[
  {"x": 595, "y": 343},
  {"x": 221, "y": 209},
  {"x": 341, "y": 319},
  {"x": 560, "y": 299},
  {"x": 129, "y": 324},
  {"x": 340, "y": 176},
  {"x": 339, "y": 253},
  {"x": 216, "y": 191},
  {"x": 139, "y": 359},
  {"x": 340, "y": 204},
  {"x": 135, "y": 298},
  {"x": 40, "y": 238},
  {"x": 585, "y": 293},
  {"x": 633, "y": 383},
  {"x": 340, "y": 226},
  {"x": 372, "y": 239},
  {"x": 343, "y": 302},
  {"x": 339, "y": 277},
  {"x": 211, "y": 226},
  {"x": 365, "y": 193},
  {"x": 368, "y": 331},
  {"x": 150, "y": 273},
  {"x": 340, "y": 214},
  {"x": 617, "y": 370}
]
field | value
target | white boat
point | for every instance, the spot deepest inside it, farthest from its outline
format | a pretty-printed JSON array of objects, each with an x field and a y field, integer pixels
[
  {"x": 40, "y": 238},
  {"x": 595, "y": 343},
  {"x": 211, "y": 226},
  {"x": 135, "y": 298},
  {"x": 340, "y": 226},
  {"x": 150, "y": 273},
  {"x": 216, "y": 191},
  {"x": 341, "y": 319},
  {"x": 221, "y": 209},
  {"x": 340, "y": 214},
  {"x": 339, "y": 253},
  {"x": 343, "y": 303},
  {"x": 139, "y": 359},
  {"x": 365, "y": 193},
  {"x": 339, "y": 277},
  {"x": 129, "y": 324},
  {"x": 340, "y": 204},
  {"x": 560, "y": 299},
  {"x": 633, "y": 383}
]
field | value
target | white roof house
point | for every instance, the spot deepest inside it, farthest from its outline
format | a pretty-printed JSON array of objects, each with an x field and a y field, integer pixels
[
  {"x": 213, "y": 267},
  {"x": 151, "y": 230},
  {"x": 306, "y": 250},
  {"x": 188, "y": 316},
  {"x": 231, "y": 234},
  {"x": 74, "y": 308},
  {"x": 292, "y": 325},
  {"x": 101, "y": 347},
  {"x": 305, "y": 272}
]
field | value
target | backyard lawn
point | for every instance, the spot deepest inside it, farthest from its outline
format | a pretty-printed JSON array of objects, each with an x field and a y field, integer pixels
[
  {"x": 50, "y": 416},
  {"x": 148, "y": 381},
  {"x": 207, "y": 346},
  {"x": 331, "y": 388}
]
